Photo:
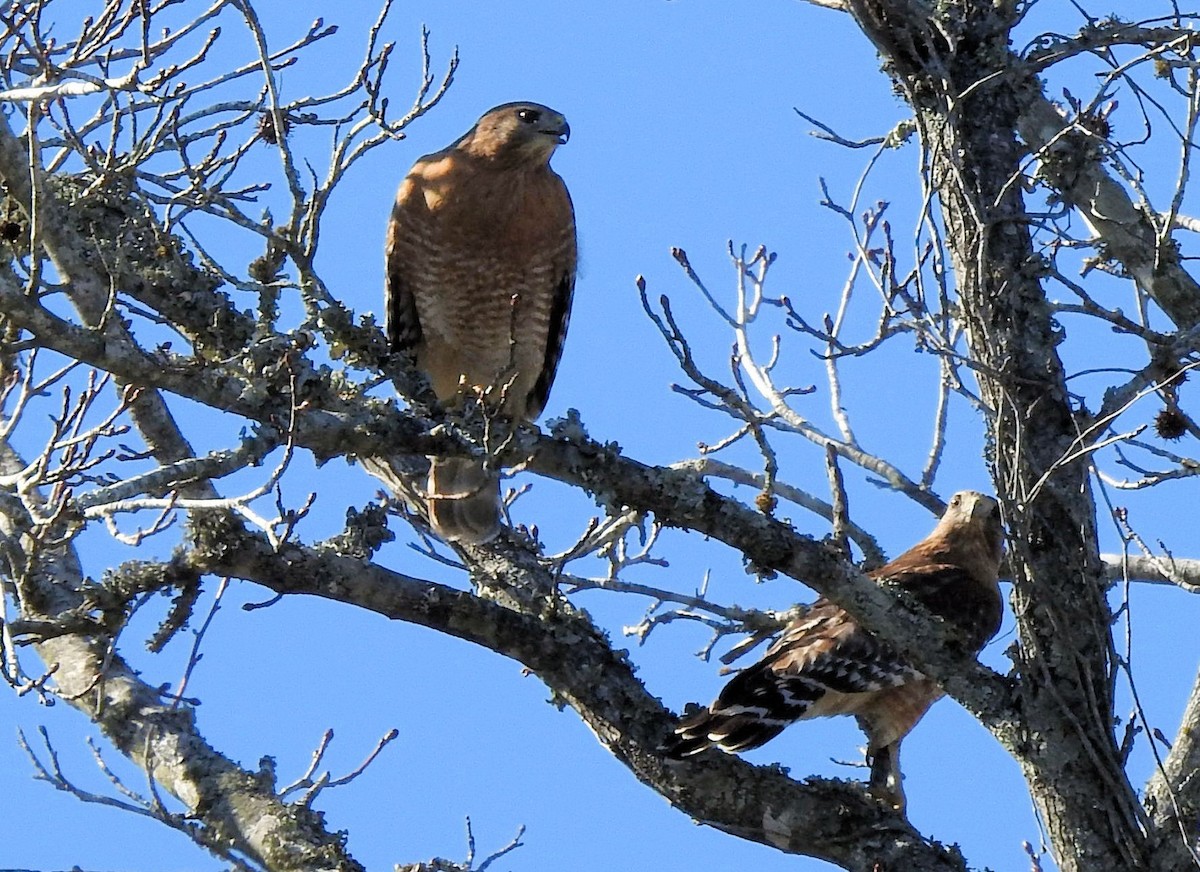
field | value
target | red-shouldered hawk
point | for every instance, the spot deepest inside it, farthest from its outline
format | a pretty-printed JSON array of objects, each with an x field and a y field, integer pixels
[
  {"x": 480, "y": 272},
  {"x": 825, "y": 664}
]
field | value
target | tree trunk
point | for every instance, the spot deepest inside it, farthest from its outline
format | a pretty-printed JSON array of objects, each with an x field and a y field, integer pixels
[{"x": 954, "y": 67}]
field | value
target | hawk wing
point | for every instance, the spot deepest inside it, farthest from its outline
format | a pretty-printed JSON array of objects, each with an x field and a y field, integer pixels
[
  {"x": 403, "y": 325},
  {"x": 560, "y": 318},
  {"x": 823, "y": 664},
  {"x": 949, "y": 592}
]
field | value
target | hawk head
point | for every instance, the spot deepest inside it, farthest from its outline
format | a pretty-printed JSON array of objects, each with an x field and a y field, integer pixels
[
  {"x": 972, "y": 516},
  {"x": 518, "y": 132}
]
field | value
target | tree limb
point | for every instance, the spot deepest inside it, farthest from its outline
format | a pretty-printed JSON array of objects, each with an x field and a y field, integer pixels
[
  {"x": 834, "y": 820},
  {"x": 235, "y": 809}
]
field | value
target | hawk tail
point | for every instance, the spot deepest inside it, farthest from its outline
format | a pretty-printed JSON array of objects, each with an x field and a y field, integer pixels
[
  {"x": 464, "y": 500},
  {"x": 714, "y": 729},
  {"x": 752, "y": 709}
]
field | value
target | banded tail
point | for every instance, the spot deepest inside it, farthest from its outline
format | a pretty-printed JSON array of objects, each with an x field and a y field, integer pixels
[{"x": 464, "y": 500}]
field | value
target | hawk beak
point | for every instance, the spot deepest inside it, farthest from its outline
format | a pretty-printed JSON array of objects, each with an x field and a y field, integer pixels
[{"x": 562, "y": 131}]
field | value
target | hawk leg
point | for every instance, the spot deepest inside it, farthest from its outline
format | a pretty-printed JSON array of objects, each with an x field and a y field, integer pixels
[{"x": 887, "y": 784}]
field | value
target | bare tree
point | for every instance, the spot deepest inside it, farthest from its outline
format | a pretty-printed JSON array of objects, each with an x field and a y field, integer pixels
[{"x": 120, "y": 300}]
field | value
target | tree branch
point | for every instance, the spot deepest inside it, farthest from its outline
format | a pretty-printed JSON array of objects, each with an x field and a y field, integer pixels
[
  {"x": 1126, "y": 232},
  {"x": 235, "y": 808},
  {"x": 834, "y": 820}
]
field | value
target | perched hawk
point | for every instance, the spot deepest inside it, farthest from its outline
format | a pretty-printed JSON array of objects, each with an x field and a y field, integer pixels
[
  {"x": 480, "y": 272},
  {"x": 825, "y": 664}
]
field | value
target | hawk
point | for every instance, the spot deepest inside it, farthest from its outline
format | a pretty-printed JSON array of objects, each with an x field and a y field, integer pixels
[
  {"x": 825, "y": 664},
  {"x": 481, "y": 261}
]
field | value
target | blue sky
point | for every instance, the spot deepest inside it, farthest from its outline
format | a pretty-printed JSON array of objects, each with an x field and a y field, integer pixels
[{"x": 683, "y": 134}]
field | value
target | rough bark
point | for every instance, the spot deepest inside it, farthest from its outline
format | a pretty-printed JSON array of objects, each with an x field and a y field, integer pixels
[{"x": 1172, "y": 794}]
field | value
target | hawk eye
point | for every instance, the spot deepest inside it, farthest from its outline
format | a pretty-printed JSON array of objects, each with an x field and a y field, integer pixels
[{"x": 529, "y": 116}]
